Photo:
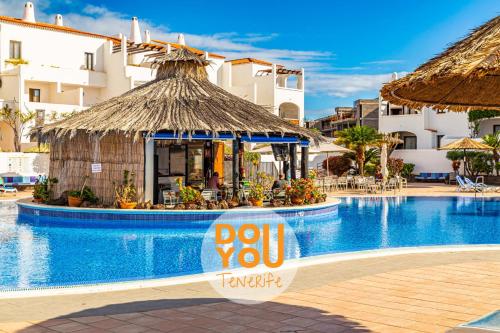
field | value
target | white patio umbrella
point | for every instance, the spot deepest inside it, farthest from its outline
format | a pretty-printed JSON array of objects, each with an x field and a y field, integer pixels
[
  {"x": 328, "y": 148},
  {"x": 383, "y": 161}
]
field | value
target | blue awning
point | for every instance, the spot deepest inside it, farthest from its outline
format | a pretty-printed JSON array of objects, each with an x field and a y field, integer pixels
[{"x": 227, "y": 136}]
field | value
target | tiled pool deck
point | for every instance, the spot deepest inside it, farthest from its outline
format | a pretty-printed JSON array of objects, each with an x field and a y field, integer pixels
[{"x": 404, "y": 293}]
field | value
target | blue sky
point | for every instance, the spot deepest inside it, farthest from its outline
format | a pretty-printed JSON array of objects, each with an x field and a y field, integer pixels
[{"x": 348, "y": 48}]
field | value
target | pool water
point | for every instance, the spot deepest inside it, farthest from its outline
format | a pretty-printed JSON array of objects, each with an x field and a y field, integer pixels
[{"x": 36, "y": 254}]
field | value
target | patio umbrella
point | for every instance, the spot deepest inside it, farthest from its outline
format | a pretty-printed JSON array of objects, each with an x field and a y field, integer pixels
[
  {"x": 466, "y": 144},
  {"x": 383, "y": 161},
  {"x": 387, "y": 139},
  {"x": 328, "y": 148},
  {"x": 464, "y": 77}
]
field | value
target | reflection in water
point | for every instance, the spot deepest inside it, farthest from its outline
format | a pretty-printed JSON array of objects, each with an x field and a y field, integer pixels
[{"x": 35, "y": 255}]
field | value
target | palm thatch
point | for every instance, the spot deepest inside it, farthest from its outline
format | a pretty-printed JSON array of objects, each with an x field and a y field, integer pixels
[
  {"x": 180, "y": 99},
  {"x": 464, "y": 77},
  {"x": 466, "y": 143}
]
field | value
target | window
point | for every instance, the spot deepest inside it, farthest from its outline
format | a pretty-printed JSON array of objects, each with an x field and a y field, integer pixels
[
  {"x": 410, "y": 142},
  {"x": 15, "y": 49},
  {"x": 439, "y": 138},
  {"x": 35, "y": 95},
  {"x": 496, "y": 128},
  {"x": 89, "y": 61}
]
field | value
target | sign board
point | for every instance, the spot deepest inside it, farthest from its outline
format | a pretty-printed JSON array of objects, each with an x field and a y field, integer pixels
[{"x": 96, "y": 168}]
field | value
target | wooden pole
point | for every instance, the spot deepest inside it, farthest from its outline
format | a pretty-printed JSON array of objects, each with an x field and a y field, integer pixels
[
  {"x": 293, "y": 160},
  {"x": 304, "y": 162},
  {"x": 236, "y": 166}
]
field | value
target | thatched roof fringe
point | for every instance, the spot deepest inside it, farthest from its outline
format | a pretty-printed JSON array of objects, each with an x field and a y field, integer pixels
[{"x": 466, "y": 76}]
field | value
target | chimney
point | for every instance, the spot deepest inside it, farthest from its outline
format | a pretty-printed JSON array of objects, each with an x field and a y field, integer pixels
[
  {"x": 181, "y": 40},
  {"x": 135, "y": 31},
  {"x": 394, "y": 76},
  {"x": 59, "y": 20},
  {"x": 147, "y": 36},
  {"x": 29, "y": 12}
]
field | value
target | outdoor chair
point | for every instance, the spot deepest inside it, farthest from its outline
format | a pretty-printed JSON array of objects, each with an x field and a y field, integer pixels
[
  {"x": 279, "y": 194},
  {"x": 342, "y": 183},
  {"x": 392, "y": 184},
  {"x": 402, "y": 181},
  {"x": 5, "y": 188},
  {"x": 330, "y": 184},
  {"x": 209, "y": 194},
  {"x": 360, "y": 183},
  {"x": 169, "y": 197},
  {"x": 320, "y": 183}
]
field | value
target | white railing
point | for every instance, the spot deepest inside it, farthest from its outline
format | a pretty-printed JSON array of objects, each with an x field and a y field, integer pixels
[{"x": 64, "y": 75}]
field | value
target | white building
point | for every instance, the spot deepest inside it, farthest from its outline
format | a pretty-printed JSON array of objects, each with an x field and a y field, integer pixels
[
  {"x": 424, "y": 131},
  {"x": 54, "y": 70}
]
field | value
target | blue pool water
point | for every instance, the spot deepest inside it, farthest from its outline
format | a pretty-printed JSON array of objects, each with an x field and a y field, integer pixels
[{"x": 35, "y": 254}]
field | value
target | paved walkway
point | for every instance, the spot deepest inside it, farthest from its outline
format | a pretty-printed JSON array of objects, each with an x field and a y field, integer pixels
[{"x": 404, "y": 293}]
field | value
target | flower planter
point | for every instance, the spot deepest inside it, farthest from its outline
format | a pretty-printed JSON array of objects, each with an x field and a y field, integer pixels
[
  {"x": 297, "y": 200},
  {"x": 257, "y": 203},
  {"x": 74, "y": 201},
  {"x": 128, "y": 205}
]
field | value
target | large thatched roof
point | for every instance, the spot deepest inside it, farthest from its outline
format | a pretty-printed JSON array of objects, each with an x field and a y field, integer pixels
[
  {"x": 466, "y": 76},
  {"x": 180, "y": 99}
]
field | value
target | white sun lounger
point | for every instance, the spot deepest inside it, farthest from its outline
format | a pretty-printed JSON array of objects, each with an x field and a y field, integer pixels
[{"x": 487, "y": 324}]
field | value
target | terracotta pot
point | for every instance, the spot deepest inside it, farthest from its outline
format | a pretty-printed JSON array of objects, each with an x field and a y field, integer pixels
[
  {"x": 128, "y": 205},
  {"x": 75, "y": 201},
  {"x": 297, "y": 200},
  {"x": 38, "y": 200},
  {"x": 257, "y": 203}
]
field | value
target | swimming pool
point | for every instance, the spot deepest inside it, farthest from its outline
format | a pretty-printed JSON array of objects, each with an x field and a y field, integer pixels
[{"x": 37, "y": 254}]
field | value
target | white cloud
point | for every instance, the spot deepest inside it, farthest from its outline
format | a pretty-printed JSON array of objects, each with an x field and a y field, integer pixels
[
  {"x": 346, "y": 85},
  {"x": 318, "y": 64}
]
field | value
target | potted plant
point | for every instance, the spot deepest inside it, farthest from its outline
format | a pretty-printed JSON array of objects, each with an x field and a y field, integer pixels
[
  {"x": 76, "y": 197},
  {"x": 258, "y": 188},
  {"x": 299, "y": 190},
  {"x": 42, "y": 190},
  {"x": 126, "y": 192},
  {"x": 189, "y": 195}
]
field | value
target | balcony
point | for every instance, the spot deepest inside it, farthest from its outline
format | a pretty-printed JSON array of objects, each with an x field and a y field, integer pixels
[
  {"x": 67, "y": 76},
  {"x": 404, "y": 122}
]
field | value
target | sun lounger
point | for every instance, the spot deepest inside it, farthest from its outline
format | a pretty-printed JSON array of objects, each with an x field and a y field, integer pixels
[
  {"x": 481, "y": 186},
  {"x": 5, "y": 188},
  {"x": 487, "y": 324},
  {"x": 462, "y": 186}
]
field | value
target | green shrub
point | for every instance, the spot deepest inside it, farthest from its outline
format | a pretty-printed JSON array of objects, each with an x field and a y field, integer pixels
[{"x": 407, "y": 170}]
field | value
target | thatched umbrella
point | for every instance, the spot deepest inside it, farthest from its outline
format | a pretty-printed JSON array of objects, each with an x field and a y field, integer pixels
[
  {"x": 464, "y": 77},
  {"x": 180, "y": 99},
  {"x": 466, "y": 144}
]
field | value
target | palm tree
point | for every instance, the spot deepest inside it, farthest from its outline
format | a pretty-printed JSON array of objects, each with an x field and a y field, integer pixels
[
  {"x": 359, "y": 138},
  {"x": 493, "y": 140}
]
